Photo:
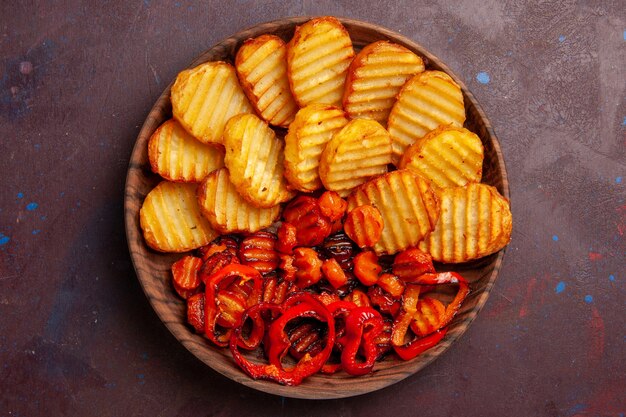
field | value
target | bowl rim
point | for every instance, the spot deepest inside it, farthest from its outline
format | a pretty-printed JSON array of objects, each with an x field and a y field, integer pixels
[{"x": 130, "y": 213}]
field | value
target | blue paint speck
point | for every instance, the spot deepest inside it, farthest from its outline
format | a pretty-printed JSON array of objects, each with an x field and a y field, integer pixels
[
  {"x": 625, "y": 35},
  {"x": 32, "y": 206},
  {"x": 4, "y": 239},
  {"x": 483, "y": 77},
  {"x": 144, "y": 356},
  {"x": 141, "y": 376},
  {"x": 560, "y": 287},
  {"x": 612, "y": 278},
  {"x": 37, "y": 146},
  {"x": 555, "y": 238},
  {"x": 561, "y": 38},
  {"x": 36, "y": 231},
  {"x": 576, "y": 409},
  {"x": 588, "y": 299},
  {"x": 20, "y": 195},
  {"x": 618, "y": 180}
]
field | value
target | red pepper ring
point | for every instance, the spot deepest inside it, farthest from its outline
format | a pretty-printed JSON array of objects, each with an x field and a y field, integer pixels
[
  {"x": 256, "y": 371},
  {"x": 337, "y": 309},
  {"x": 295, "y": 306},
  {"x": 448, "y": 278},
  {"x": 418, "y": 346},
  {"x": 222, "y": 278},
  {"x": 363, "y": 324}
]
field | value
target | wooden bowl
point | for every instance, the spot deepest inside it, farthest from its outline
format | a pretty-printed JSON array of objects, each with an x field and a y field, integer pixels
[{"x": 153, "y": 268}]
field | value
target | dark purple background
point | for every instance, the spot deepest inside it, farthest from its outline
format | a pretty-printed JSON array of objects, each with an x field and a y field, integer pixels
[{"x": 77, "y": 335}]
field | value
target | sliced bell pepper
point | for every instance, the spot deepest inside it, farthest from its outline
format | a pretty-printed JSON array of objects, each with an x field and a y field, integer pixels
[
  {"x": 418, "y": 346},
  {"x": 221, "y": 279},
  {"x": 297, "y": 305},
  {"x": 363, "y": 324}
]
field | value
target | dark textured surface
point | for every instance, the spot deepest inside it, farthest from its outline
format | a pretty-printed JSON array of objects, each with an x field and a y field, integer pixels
[{"x": 77, "y": 336}]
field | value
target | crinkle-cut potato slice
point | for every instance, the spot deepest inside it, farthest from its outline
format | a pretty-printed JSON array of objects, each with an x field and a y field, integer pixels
[
  {"x": 428, "y": 100},
  {"x": 375, "y": 77},
  {"x": 171, "y": 220},
  {"x": 447, "y": 156},
  {"x": 254, "y": 158},
  {"x": 205, "y": 97},
  {"x": 318, "y": 57},
  {"x": 177, "y": 156},
  {"x": 227, "y": 211},
  {"x": 475, "y": 221},
  {"x": 312, "y": 128},
  {"x": 407, "y": 204},
  {"x": 261, "y": 65},
  {"x": 359, "y": 151}
]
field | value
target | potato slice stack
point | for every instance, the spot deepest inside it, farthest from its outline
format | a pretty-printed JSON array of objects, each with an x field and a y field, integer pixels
[{"x": 227, "y": 170}]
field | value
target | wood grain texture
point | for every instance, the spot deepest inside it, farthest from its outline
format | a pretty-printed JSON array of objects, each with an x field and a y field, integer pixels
[{"x": 153, "y": 268}]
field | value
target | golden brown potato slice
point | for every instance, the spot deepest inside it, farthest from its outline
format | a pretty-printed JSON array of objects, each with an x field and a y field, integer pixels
[
  {"x": 407, "y": 204},
  {"x": 428, "y": 100},
  {"x": 205, "y": 97},
  {"x": 261, "y": 64},
  {"x": 308, "y": 134},
  {"x": 254, "y": 158},
  {"x": 375, "y": 77},
  {"x": 227, "y": 211},
  {"x": 359, "y": 151},
  {"x": 318, "y": 57},
  {"x": 177, "y": 156},
  {"x": 475, "y": 221},
  {"x": 171, "y": 220},
  {"x": 447, "y": 157}
]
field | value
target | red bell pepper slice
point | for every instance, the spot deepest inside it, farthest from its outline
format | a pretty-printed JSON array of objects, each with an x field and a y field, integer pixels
[
  {"x": 363, "y": 324},
  {"x": 295, "y": 306},
  {"x": 221, "y": 279},
  {"x": 418, "y": 346}
]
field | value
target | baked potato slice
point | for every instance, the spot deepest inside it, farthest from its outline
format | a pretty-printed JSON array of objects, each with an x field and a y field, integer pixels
[
  {"x": 447, "y": 156},
  {"x": 407, "y": 204},
  {"x": 177, "y": 156},
  {"x": 318, "y": 57},
  {"x": 261, "y": 65},
  {"x": 171, "y": 221},
  {"x": 359, "y": 151},
  {"x": 375, "y": 77},
  {"x": 312, "y": 128},
  {"x": 227, "y": 211},
  {"x": 254, "y": 157},
  {"x": 204, "y": 98},
  {"x": 475, "y": 221},
  {"x": 428, "y": 100}
]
